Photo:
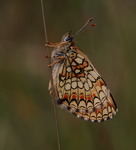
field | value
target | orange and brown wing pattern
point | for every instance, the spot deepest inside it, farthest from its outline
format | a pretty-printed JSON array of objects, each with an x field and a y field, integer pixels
[{"x": 80, "y": 89}]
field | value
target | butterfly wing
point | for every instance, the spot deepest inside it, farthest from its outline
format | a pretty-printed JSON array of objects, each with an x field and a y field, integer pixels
[{"x": 79, "y": 88}]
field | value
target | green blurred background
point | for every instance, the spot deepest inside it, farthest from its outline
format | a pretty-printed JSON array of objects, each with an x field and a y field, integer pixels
[{"x": 26, "y": 110}]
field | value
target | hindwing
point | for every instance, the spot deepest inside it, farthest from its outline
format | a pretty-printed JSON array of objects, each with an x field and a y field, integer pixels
[{"x": 79, "y": 88}]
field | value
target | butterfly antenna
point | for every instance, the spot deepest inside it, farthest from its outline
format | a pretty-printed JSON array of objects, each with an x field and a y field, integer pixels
[{"x": 84, "y": 27}]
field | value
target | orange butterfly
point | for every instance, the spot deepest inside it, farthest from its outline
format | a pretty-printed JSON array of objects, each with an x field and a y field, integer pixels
[{"x": 76, "y": 84}]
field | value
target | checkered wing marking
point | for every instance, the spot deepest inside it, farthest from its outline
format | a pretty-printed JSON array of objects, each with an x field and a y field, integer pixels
[{"x": 80, "y": 89}]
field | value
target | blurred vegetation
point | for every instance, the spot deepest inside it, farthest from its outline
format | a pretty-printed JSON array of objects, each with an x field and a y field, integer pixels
[{"x": 26, "y": 112}]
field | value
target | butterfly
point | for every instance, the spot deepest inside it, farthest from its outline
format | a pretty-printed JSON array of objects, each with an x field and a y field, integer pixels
[{"x": 76, "y": 85}]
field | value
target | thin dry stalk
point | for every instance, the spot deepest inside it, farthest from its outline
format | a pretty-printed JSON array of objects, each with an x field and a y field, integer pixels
[{"x": 49, "y": 62}]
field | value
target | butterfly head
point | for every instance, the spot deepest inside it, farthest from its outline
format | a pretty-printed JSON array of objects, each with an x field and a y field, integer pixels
[{"x": 67, "y": 37}]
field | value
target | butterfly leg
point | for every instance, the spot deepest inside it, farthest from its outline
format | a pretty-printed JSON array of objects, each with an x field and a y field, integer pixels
[
  {"x": 59, "y": 57},
  {"x": 55, "y": 62},
  {"x": 48, "y": 57},
  {"x": 55, "y": 44}
]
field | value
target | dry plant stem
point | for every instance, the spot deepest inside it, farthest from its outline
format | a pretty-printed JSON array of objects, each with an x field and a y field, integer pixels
[{"x": 49, "y": 54}]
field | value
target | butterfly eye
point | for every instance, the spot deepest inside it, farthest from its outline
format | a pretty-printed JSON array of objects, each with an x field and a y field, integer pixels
[{"x": 68, "y": 39}]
